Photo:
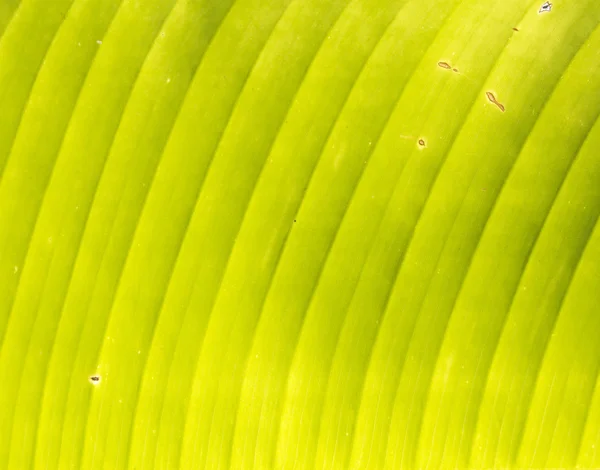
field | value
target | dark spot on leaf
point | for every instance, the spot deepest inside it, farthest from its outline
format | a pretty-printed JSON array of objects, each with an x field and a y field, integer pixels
[
  {"x": 515, "y": 29},
  {"x": 421, "y": 142},
  {"x": 95, "y": 379},
  {"x": 444, "y": 65}
]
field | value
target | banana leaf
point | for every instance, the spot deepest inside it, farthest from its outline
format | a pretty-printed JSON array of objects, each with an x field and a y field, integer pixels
[{"x": 299, "y": 234}]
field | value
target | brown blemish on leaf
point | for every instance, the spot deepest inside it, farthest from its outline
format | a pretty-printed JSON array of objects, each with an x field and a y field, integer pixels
[
  {"x": 444, "y": 65},
  {"x": 455, "y": 70},
  {"x": 95, "y": 379},
  {"x": 515, "y": 29},
  {"x": 492, "y": 99},
  {"x": 421, "y": 142}
]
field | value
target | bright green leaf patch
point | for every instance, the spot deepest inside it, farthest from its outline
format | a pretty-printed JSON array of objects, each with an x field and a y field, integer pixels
[{"x": 299, "y": 234}]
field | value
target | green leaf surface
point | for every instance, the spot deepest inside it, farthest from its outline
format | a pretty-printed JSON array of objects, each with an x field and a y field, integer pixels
[{"x": 299, "y": 234}]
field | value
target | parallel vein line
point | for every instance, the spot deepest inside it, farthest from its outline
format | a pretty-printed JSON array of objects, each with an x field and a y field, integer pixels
[
  {"x": 3, "y": 28},
  {"x": 560, "y": 311},
  {"x": 436, "y": 176},
  {"x": 94, "y": 198},
  {"x": 528, "y": 258},
  {"x": 491, "y": 212},
  {"x": 4, "y": 162},
  {"x": 386, "y": 125},
  {"x": 38, "y": 213},
  {"x": 186, "y": 93},
  {"x": 312, "y": 172}
]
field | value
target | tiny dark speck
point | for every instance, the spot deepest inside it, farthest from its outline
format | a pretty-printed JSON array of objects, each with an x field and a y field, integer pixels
[
  {"x": 515, "y": 29},
  {"x": 421, "y": 142},
  {"x": 294, "y": 220},
  {"x": 95, "y": 378}
]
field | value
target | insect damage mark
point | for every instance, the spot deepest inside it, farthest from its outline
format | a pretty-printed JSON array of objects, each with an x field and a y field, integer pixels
[
  {"x": 545, "y": 8},
  {"x": 95, "y": 379},
  {"x": 492, "y": 99},
  {"x": 447, "y": 66},
  {"x": 421, "y": 142},
  {"x": 515, "y": 29}
]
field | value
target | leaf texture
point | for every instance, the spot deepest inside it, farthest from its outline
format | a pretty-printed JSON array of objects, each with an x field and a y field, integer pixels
[{"x": 299, "y": 234}]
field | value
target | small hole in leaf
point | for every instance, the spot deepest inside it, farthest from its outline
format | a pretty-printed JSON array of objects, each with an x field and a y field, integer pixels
[
  {"x": 95, "y": 379},
  {"x": 546, "y": 7}
]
